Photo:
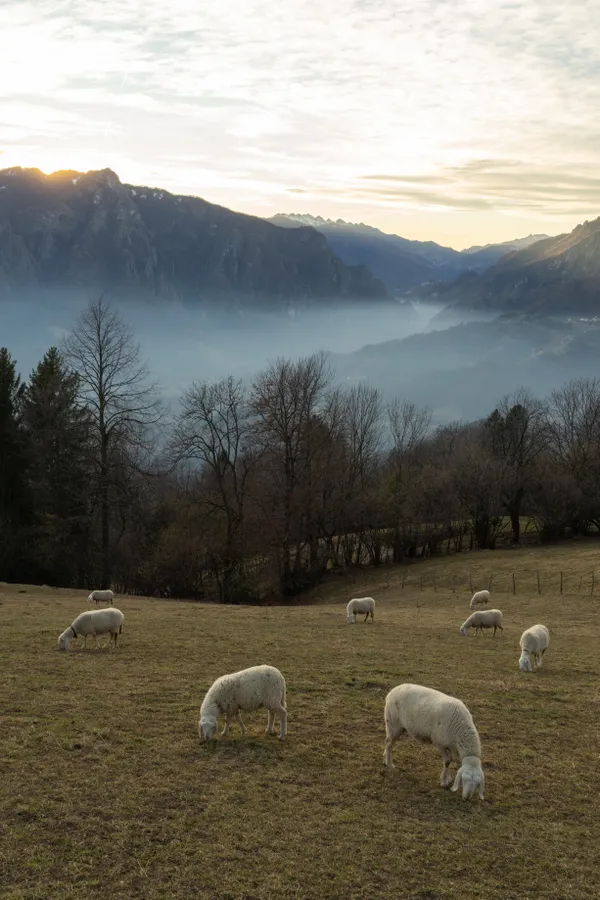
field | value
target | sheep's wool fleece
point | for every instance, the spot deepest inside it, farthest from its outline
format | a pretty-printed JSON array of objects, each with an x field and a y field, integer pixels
[
  {"x": 535, "y": 639},
  {"x": 430, "y": 715},
  {"x": 361, "y": 605},
  {"x": 247, "y": 689},
  {"x": 98, "y": 621}
]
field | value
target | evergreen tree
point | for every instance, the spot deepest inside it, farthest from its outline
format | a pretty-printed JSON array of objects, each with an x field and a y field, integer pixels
[
  {"x": 13, "y": 500},
  {"x": 57, "y": 431}
]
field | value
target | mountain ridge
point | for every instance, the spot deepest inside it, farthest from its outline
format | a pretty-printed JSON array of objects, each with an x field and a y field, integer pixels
[
  {"x": 401, "y": 263},
  {"x": 557, "y": 275},
  {"x": 90, "y": 230}
]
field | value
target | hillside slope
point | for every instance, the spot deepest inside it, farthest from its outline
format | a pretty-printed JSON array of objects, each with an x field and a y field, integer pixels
[{"x": 556, "y": 275}]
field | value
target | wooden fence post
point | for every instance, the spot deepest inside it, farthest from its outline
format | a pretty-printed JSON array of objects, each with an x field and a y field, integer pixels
[
  {"x": 561, "y": 582},
  {"x": 514, "y": 584}
]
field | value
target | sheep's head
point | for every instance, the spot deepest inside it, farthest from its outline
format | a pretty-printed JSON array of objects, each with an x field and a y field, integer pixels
[
  {"x": 65, "y": 639},
  {"x": 207, "y": 728},
  {"x": 471, "y": 776},
  {"x": 351, "y": 618},
  {"x": 464, "y": 630},
  {"x": 525, "y": 662}
]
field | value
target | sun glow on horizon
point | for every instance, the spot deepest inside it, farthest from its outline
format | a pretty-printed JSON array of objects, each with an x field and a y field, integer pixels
[{"x": 456, "y": 123}]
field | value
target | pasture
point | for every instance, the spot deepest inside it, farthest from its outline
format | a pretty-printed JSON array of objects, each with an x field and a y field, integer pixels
[{"x": 106, "y": 790}]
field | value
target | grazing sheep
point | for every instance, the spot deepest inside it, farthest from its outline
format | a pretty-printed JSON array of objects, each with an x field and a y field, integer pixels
[
  {"x": 94, "y": 622},
  {"x": 430, "y": 716},
  {"x": 101, "y": 596},
  {"x": 360, "y": 605},
  {"x": 483, "y": 618},
  {"x": 479, "y": 597},
  {"x": 534, "y": 642},
  {"x": 258, "y": 686}
]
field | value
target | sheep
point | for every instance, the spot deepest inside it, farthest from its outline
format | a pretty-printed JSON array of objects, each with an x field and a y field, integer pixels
[
  {"x": 479, "y": 597},
  {"x": 428, "y": 715},
  {"x": 100, "y": 596},
  {"x": 258, "y": 686},
  {"x": 93, "y": 622},
  {"x": 483, "y": 618},
  {"x": 534, "y": 642},
  {"x": 360, "y": 605}
]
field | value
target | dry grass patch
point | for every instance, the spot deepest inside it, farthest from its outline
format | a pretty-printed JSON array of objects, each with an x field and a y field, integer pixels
[{"x": 107, "y": 792}]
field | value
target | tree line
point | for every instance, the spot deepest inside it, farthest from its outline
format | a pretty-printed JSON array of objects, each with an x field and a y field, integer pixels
[{"x": 250, "y": 491}]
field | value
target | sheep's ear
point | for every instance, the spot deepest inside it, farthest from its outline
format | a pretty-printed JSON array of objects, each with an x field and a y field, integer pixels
[{"x": 457, "y": 780}]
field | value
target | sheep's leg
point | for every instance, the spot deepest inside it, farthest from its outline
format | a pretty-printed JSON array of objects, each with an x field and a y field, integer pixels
[
  {"x": 84, "y": 641},
  {"x": 541, "y": 659},
  {"x": 390, "y": 740},
  {"x": 282, "y": 713},
  {"x": 366, "y": 617},
  {"x": 225, "y": 731},
  {"x": 271, "y": 722},
  {"x": 241, "y": 724},
  {"x": 446, "y": 777}
]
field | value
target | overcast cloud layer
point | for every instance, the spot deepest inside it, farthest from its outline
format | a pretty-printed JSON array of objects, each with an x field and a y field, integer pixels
[{"x": 462, "y": 122}]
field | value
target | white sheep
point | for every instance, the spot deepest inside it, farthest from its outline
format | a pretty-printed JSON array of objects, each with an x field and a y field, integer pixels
[
  {"x": 483, "y": 618},
  {"x": 430, "y": 716},
  {"x": 479, "y": 597},
  {"x": 93, "y": 622},
  {"x": 360, "y": 605},
  {"x": 101, "y": 597},
  {"x": 258, "y": 686},
  {"x": 534, "y": 643}
]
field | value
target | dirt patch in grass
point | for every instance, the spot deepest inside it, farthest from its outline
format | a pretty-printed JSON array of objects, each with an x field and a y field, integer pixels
[{"x": 107, "y": 792}]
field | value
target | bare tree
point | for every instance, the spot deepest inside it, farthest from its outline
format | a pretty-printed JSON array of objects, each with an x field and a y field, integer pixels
[
  {"x": 409, "y": 427},
  {"x": 574, "y": 418},
  {"x": 476, "y": 477},
  {"x": 286, "y": 399},
  {"x": 122, "y": 404},
  {"x": 517, "y": 431},
  {"x": 213, "y": 429}
]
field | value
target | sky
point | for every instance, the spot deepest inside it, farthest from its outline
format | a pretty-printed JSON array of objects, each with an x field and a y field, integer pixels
[{"x": 459, "y": 121}]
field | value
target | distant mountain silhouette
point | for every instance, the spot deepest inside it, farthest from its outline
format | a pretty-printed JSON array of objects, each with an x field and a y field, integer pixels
[
  {"x": 401, "y": 263},
  {"x": 89, "y": 230},
  {"x": 559, "y": 275}
]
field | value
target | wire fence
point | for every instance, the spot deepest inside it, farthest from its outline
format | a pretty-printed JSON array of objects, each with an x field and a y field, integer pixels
[{"x": 518, "y": 582}]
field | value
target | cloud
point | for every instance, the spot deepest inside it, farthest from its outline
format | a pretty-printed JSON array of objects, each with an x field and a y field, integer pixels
[{"x": 368, "y": 106}]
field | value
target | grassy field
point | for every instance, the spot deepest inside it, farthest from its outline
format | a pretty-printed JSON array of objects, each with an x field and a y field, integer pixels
[{"x": 107, "y": 792}]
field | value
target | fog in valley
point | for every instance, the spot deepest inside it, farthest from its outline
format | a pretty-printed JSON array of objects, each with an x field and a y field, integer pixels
[{"x": 459, "y": 368}]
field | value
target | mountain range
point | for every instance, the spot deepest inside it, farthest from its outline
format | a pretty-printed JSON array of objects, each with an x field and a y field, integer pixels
[
  {"x": 88, "y": 230},
  {"x": 400, "y": 263},
  {"x": 559, "y": 275}
]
